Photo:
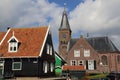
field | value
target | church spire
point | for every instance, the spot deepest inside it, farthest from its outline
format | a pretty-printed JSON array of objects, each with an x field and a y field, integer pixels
[{"x": 64, "y": 21}]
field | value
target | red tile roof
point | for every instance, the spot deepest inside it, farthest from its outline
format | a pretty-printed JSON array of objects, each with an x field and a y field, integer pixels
[
  {"x": 2, "y": 35},
  {"x": 30, "y": 42},
  {"x": 66, "y": 67}
]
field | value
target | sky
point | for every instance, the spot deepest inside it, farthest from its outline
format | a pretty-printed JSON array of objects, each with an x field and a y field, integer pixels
[{"x": 95, "y": 17}]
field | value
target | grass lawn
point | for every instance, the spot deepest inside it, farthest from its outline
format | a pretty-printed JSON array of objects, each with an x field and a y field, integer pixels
[{"x": 97, "y": 76}]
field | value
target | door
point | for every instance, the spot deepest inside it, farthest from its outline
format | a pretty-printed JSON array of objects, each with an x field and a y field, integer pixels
[
  {"x": 90, "y": 64},
  {"x": 1, "y": 68}
]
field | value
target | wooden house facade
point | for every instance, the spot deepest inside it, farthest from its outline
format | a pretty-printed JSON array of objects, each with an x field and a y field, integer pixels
[{"x": 27, "y": 52}]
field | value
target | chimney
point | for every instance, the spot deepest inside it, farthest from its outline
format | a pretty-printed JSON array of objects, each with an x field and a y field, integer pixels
[{"x": 8, "y": 28}]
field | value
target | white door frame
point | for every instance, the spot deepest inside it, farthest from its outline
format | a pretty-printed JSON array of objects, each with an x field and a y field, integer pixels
[
  {"x": 91, "y": 65},
  {"x": 2, "y": 66}
]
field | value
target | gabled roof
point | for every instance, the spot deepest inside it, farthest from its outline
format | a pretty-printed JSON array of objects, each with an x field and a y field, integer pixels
[
  {"x": 60, "y": 57},
  {"x": 31, "y": 42},
  {"x": 100, "y": 44},
  {"x": 2, "y": 35}
]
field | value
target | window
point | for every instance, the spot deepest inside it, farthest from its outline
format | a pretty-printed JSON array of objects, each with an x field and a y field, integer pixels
[
  {"x": 104, "y": 60},
  {"x": 51, "y": 67},
  {"x": 90, "y": 64},
  {"x": 76, "y": 53},
  {"x": 17, "y": 66},
  {"x": 45, "y": 66},
  {"x": 80, "y": 62},
  {"x": 118, "y": 59},
  {"x": 47, "y": 48},
  {"x": 87, "y": 53},
  {"x": 73, "y": 62},
  {"x": 50, "y": 50},
  {"x": 13, "y": 46}
]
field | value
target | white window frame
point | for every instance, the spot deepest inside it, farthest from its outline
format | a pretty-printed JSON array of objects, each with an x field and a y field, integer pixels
[
  {"x": 45, "y": 66},
  {"x": 13, "y": 45},
  {"x": 91, "y": 65},
  {"x": 76, "y": 53},
  {"x": 20, "y": 66},
  {"x": 86, "y": 52},
  {"x": 2, "y": 66},
  {"x": 80, "y": 61},
  {"x": 48, "y": 51},
  {"x": 72, "y": 64},
  {"x": 51, "y": 67}
]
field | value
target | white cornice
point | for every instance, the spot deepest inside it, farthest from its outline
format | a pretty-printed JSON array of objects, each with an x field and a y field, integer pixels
[
  {"x": 5, "y": 36},
  {"x": 44, "y": 41}
]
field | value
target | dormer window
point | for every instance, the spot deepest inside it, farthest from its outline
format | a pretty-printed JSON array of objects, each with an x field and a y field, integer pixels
[{"x": 13, "y": 44}]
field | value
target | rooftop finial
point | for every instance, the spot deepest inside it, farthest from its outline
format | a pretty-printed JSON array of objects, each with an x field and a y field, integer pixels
[
  {"x": 64, "y": 7},
  {"x": 13, "y": 33}
]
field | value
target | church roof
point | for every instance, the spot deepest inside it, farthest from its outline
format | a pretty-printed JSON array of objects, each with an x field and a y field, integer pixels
[
  {"x": 100, "y": 44},
  {"x": 64, "y": 21}
]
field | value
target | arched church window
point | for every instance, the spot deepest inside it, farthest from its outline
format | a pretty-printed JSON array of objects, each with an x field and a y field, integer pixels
[
  {"x": 104, "y": 60},
  {"x": 118, "y": 59}
]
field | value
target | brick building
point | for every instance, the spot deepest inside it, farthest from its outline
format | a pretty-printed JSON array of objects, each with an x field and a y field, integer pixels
[{"x": 96, "y": 54}]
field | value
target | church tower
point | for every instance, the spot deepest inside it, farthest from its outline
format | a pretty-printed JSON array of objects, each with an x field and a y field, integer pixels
[{"x": 64, "y": 34}]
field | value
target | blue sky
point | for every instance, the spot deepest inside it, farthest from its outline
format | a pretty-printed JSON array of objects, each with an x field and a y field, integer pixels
[
  {"x": 96, "y": 17},
  {"x": 70, "y": 4}
]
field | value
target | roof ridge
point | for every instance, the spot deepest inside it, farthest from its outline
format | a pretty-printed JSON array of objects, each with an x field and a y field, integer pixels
[{"x": 29, "y": 27}]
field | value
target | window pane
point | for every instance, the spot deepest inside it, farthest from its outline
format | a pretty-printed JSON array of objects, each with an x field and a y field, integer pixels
[
  {"x": 80, "y": 62},
  {"x": 86, "y": 53},
  {"x": 73, "y": 62},
  {"x": 13, "y": 46},
  {"x": 50, "y": 50},
  {"x": 118, "y": 59},
  {"x": 47, "y": 49},
  {"x": 76, "y": 53},
  {"x": 104, "y": 60},
  {"x": 52, "y": 67},
  {"x": 17, "y": 65}
]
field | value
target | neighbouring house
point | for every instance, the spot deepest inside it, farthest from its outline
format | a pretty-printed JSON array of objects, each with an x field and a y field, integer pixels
[
  {"x": 27, "y": 52},
  {"x": 59, "y": 62},
  {"x": 96, "y": 54},
  {"x": 73, "y": 71}
]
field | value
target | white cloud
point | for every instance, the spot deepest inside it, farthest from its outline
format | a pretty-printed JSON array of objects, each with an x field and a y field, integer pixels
[
  {"x": 98, "y": 17},
  {"x": 27, "y": 13}
]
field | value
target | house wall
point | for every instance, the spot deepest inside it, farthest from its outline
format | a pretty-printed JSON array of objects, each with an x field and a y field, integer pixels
[
  {"x": 29, "y": 67},
  {"x": 113, "y": 64},
  {"x": 82, "y": 45},
  {"x": 58, "y": 62},
  {"x": 47, "y": 57}
]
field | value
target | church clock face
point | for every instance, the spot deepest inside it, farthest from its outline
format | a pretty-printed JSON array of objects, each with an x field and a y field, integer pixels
[{"x": 64, "y": 35}]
